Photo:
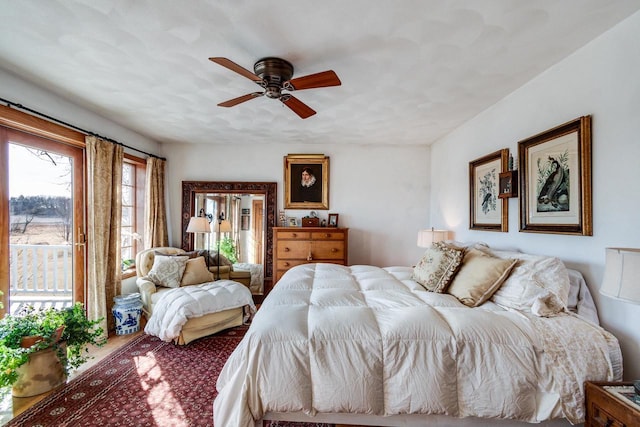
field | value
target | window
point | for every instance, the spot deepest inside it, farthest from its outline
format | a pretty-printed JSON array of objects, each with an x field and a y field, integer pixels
[
  {"x": 132, "y": 228},
  {"x": 43, "y": 242}
]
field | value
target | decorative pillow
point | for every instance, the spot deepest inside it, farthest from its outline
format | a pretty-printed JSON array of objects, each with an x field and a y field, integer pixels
[
  {"x": 196, "y": 272},
  {"x": 190, "y": 254},
  {"x": 539, "y": 284},
  {"x": 167, "y": 270},
  {"x": 437, "y": 266},
  {"x": 479, "y": 277},
  {"x": 213, "y": 258}
]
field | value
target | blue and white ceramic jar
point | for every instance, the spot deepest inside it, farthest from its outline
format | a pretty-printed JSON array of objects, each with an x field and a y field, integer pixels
[{"x": 126, "y": 311}]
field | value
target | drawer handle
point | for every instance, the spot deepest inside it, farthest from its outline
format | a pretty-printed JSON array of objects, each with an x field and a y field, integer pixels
[
  {"x": 287, "y": 249},
  {"x": 309, "y": 257},
  {"x": 294, "y": 234},
  {"x": 334, "y": 250},
  {"x": 286, "y": 264},
  {"x": 327, "y": 235}
]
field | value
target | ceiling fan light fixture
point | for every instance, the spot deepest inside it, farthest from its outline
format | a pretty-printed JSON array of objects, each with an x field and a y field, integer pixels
[
  {"x": 275, "y": 74},
  {"x": 273, "y": 91}
]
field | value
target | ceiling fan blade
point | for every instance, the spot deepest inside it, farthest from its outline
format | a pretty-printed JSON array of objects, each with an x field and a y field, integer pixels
[
  {"x": 240, "y": 99},
  {"x": 227, "y": 63},
  {"x": 323, "y": 79},
  {"x": 297, "y": 106}
]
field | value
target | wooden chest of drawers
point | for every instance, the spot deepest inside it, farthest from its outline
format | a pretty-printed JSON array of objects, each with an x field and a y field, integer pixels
[
  {"x": 302, "y": 245},
  {"x": 604, "y": 408}
]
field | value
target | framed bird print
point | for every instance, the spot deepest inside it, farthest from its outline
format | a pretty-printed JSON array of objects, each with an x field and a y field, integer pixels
[
  {"x": 487, "y": 211},
  {"x": 555, "y": 184}
]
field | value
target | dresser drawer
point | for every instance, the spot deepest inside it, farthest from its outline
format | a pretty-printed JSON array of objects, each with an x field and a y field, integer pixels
[
  {"x": 327, "y": 250},
  {"x": 284, "y": 264},
  {"x": 327, "y": 235},
  {"x": 317, "y": 250},
  {"x": 293, "y": 235}
]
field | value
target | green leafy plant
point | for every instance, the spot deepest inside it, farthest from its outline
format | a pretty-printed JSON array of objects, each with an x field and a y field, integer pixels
[
  {"x": 68, "y": 330},
  {"x": 228, "y": 249}
]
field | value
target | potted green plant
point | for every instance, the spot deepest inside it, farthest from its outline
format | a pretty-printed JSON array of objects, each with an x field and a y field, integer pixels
[
  {"x": 228, "y": 249},
  {"x": 53, "y": 339}
]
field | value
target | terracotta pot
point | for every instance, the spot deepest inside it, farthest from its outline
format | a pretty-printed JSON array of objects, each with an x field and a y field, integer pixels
[
  {"x": 31, "y": 340},
  {"x": 43, "y": 372}
]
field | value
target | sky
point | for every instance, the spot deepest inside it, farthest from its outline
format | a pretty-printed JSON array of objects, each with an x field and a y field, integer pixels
[{"x": 30, "y": 175}]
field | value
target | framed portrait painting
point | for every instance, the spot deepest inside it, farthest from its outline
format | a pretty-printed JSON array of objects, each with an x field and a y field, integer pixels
[
  {"x": 555, "y": 184},
  {"x": 306, "y": 181},
  {"x": 487, "y": 211}
]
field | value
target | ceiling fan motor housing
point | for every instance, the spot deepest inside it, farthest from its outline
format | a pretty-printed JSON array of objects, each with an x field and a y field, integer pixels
[{"x": 273, "y": 72}]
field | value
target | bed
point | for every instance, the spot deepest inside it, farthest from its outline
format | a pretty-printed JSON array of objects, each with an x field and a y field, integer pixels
[{"x": 372, "y": 346}]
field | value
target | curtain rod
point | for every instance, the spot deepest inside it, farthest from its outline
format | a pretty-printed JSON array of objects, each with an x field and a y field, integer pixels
[{"x": 53, "y": 119}]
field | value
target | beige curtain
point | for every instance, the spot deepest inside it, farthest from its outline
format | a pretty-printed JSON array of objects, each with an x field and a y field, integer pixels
[
  {"x": 155, "y": 214},
  {"x": 104, "y": 214}
]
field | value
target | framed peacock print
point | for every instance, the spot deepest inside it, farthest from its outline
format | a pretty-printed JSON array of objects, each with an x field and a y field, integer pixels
[
  {"x": 555, "y": 184},
  {"x": 487, "y": 211}
]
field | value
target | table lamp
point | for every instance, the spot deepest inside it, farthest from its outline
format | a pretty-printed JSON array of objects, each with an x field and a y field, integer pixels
[
  {"x": 426, "y": 238},
  {"x": 622, "y": 274}
]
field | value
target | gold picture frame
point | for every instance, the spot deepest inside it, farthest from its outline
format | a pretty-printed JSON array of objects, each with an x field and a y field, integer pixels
[
  {"x": 555, "y": 180},
  {"x": 487, "y": 211},
  {"x": 312, "y": 193}
]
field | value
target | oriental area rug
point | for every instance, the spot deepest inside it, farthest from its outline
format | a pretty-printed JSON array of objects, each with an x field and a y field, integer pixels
[{"x": 145, "y": 383}]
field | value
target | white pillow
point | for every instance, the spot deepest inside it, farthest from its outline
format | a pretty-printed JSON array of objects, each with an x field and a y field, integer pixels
[
  {"x": 539, "y": 284},
  {"x": 167, "y": 270}
]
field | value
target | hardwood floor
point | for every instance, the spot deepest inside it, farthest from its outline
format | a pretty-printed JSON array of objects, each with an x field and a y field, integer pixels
[{"x": 13, "y": 406}]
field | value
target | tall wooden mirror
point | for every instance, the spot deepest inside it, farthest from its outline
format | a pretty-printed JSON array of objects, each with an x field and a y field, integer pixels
[{"x": 250, "y": 208}]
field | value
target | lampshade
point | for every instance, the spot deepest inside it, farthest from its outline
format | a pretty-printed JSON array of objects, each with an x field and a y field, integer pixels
[
  {"x": 428, "y": 237},
  {"x": 622, "y": 274},
  {"x": 225, "y": 226},
  {"x": 198, "y": 224}
]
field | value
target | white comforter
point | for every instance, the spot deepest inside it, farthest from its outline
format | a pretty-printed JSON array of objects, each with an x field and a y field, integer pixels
[
  {"x": 366, "y": 340},
  {"x": 178, "y": 305}
]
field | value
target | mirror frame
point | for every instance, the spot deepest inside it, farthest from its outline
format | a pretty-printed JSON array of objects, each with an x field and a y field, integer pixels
[{"x": 269, "y": 189}]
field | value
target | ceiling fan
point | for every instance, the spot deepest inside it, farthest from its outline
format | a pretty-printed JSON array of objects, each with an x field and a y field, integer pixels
[{"x": 274, "y": 75}]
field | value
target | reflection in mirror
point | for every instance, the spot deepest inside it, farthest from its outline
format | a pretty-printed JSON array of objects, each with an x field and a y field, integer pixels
[
  {"x": 244, "y": 214},
  {"x": 249, "y": 209}
]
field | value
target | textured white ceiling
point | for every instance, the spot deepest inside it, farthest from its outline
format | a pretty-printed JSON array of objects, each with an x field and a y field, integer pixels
[{"x": 411, "y": 70}]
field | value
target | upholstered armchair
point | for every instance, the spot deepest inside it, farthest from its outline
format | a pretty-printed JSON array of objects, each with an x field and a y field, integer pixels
[
  {"x": 150, "y": 293},
  {"x": 173, "y": 272}
]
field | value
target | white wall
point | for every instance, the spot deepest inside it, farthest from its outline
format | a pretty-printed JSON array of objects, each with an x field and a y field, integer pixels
[
  {"x": 380, "y": 193},
  {"x": 600, "y": 79},
  {"x": 13, "y": 88}
]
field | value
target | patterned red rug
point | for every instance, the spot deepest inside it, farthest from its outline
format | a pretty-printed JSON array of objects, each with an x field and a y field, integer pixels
[{"x": 147, "y": 382}]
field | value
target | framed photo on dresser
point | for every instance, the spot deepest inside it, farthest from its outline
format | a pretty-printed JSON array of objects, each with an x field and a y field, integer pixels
[{"x": 333, "y": 220}]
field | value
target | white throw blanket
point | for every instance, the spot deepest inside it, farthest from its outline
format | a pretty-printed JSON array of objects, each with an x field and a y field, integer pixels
[{"x": 178, "y": 305}]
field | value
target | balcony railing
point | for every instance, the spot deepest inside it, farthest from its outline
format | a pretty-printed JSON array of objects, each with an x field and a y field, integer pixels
[{"x": 41, "y": 276}]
